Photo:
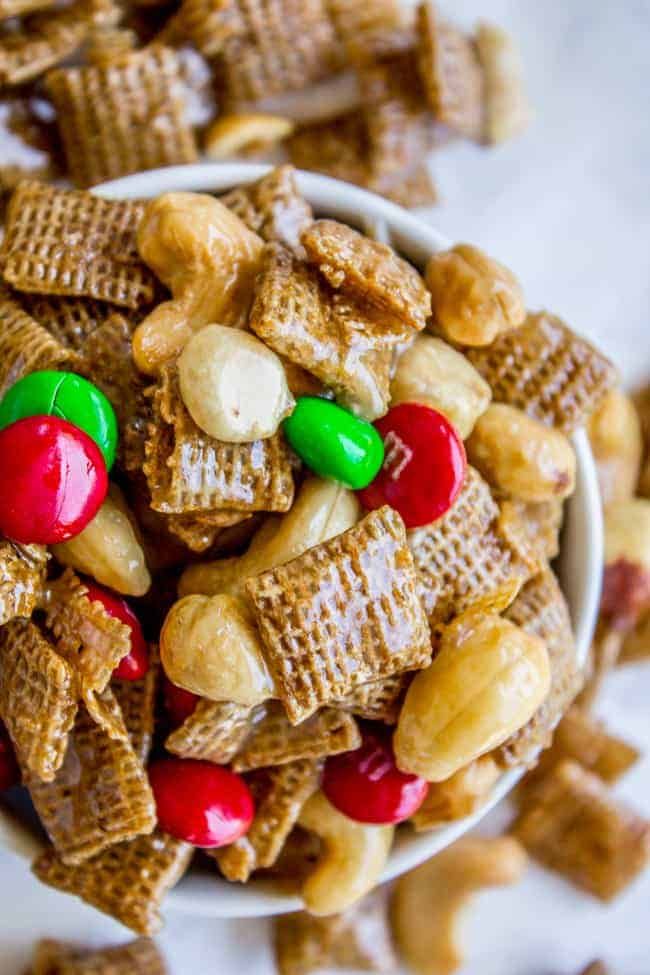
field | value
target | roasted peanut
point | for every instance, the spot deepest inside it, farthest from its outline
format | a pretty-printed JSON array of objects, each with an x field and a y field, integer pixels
[
  {"x": 459, "y": 796},
  {"x": 427, "y": 902},
  {"x": 433, "y": 373},
  {"x": 210, "y": 646},
  {"x": 108, "y": 549},
  {"x": 474, "y": 298},
  {"x": 232, "y": 135},
  {"x": 233, "y": 385},
  {"x": 520, "y": 456},
  {"x": 507, "y": 110},
  {"x": 615, "y": 435},
  {"x": 352, "y": 860},
  {"x": 207, "y": 257},
  {"x": 322, "y": 510},
  {"x": 487, "y": 680},
  {"x": 627, "y": 533}
]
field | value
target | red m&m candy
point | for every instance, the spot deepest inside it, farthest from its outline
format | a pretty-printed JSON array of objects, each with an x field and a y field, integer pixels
[
  {"x": 366, "y": 784},
  {"x": 204, "y": 804},
  {"x": 53, "y": 480},
  {"x": 9, "y": 771},
  {"x": 180, "y": 703},
  {"x": 136, "y": 663},
  {"x": 424, "y": 465}
]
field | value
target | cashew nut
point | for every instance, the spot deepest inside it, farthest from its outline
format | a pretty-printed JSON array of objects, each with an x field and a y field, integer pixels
[
  {"x": 207, "y": 257},
  {"x": 323, "y": 510},
  {"x": 233, "y": 385},
  {"x": 210, "y": 646},
  {"x": 108, "y": 549},
  {"x": 507, "y": 109},
  {"x": 627, "y": 533},
  {"x": 433, "y": 373},
  {"x": 616, "y": 440},
  {"x": 427, "y": 902},
  {"x": 521, "y": 456},
  {"x": 487, "y": 680},
  {"x": 352, "y": 860},
  {"x": 232, "y": 135},
  {"x": 473, "y": 297},
  {"x": 462, "y": 794}
]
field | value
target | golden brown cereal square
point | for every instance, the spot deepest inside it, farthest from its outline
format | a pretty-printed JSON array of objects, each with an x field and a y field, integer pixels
[
  {"x": 286, "y": 46},
  {"x": 70, "y": 321},
  {"x": 358, "y": 939},
  {"x": 128, "y": 881},
  {"x": 369, "y": 31},
  {"x": 344, "y": 613},
  {"x": 190, "y": 472},
  {"x": 124, "y": 117},
  {"x": 22, "y": 574},
  {"x": 475, "y": 556},
  {"x": 100, "y": 796},
  {"x": 137, "y": 702},
  {"x": 571, "y": 824},
  {"x": 18, "y": 8},
  {"x": 542, "y": 523},
  {"x": 209, "y": 23},
  {"x": 42, "y": 41},
  {"x": 200, "y": 533},
  {"x": 541, "y": 609},
  {"x": 273, "y": 740},
  {"x": 379, "y": 700},
  {"x": 336, "y": 147},
  {"x": 25, "y": 346},
  {"x": 91, "y": 640},
  {"x": 584, "y": 739},
  {"x": 337, "y": 340},
  {"x": 273, "y": 207},
  {"x": 69, "y": 242},
  {"x": 213, "y": 732},
  {"x": 140, "y": 957},
  {"x": 368, "y": 270},
  {"x": 280, "y": 794},
  {"x": 38, "y": 698},
  {"x": 547, "y": 370},
  {"x": 451, "y": 73}
]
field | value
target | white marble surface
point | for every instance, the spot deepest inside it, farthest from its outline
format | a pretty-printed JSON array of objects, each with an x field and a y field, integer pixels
[{"x": 568, "y": 206}]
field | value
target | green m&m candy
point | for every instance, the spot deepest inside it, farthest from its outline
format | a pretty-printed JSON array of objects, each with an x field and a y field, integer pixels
[
  {"x": 68, "y": 396},
  {"x": 334, "y": 443}
]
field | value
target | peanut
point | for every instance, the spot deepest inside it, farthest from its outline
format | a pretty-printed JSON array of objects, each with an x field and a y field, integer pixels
[
  {"x": 210, "y": 646},
  {"x": 352, "y": 860},
  {"x": 108, "y": 549},
  {"x": 428, "y": 901},
  {"x": 233, "y": 385},
  {"x": 322, "y": 510},
  {"x": 433, "y": 373},
  {"x": 486, "y": 682},
  {"x": 474, "y": 298},
  {"x": 520, "y": 456},
  {"x": 615, "y": 435},
  {"x": 207, "y": 257},
  {"x": 627, "y": 533}
]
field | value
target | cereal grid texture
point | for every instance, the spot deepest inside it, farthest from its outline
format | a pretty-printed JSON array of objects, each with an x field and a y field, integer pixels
[
  {"x": 280, "y": 794},
  {"x": 22, "y": 573},
  {"x": 572, "y": 825},
  {"x": 47, "y": 39},
  {"x": 137, "y": 702},
  {"x": 140, "y": 957},
  {"x": 546, "y": 370},
  {"x": 128, "y": 881},
  {"x": 100, "y": 796},
  {"x": 273, "y": 208},
  {"x": 465, "y": 559},
  {"x": 343, "y": 614},
  {"x": 189, "y": 471},
  {"x": 213, "y": 732},
  {"x": 122, "y": 118},
  {"x": 25, "y": 346},
  {"x": 38, "y": 698},
  {"x": 379, "y": 700},
  {"x": 100, "y": 257},
  {"x": 71, "y": 321}
]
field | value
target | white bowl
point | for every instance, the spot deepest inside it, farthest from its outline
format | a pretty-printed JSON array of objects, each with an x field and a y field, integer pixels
[{"x": 581, "y": 558}]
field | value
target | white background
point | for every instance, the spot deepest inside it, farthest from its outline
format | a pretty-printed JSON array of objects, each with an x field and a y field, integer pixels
[{"x": 567, "y": 206}]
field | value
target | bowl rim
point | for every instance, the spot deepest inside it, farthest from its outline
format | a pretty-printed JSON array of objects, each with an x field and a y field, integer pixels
[{"x": 202, "y": 896}]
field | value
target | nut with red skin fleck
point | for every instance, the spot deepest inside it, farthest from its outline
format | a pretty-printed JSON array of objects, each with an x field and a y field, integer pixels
[
  {"x": 54, "y": 481},
  {"x": 366, "y": 785},
  {"x": 424, "y": 465},
  {"x": 180, "y": 704},
  {"x": 626, "y": 593},
  {"x": 204, "y": 804},
  {"x": 136, "y": 663},
  {"x": 9, "y": 771}
]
